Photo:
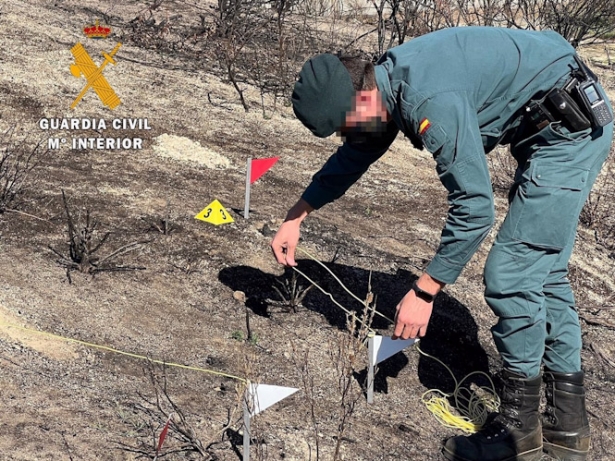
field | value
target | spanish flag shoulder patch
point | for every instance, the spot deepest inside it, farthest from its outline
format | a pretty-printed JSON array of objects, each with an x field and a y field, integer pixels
[{"x": 424, "y": 126}]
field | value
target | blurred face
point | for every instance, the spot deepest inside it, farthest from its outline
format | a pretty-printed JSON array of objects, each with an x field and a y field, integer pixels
[{"x": 368, "y": 117}]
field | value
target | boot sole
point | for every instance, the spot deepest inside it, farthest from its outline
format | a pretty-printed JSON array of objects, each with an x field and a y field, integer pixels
[
  {"x": 532, "y": 455},
  {"x": 562, "y": 453}
]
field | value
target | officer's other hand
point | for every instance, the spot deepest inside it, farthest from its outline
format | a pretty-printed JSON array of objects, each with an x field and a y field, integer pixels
[
  {"x": 285, "y": 242},
  {"x": 412, "y": 317}
]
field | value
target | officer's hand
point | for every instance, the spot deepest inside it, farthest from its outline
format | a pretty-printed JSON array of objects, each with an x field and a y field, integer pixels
[
  {"x": 412, "y": 317},
  {"x": 285, "y": 242}
]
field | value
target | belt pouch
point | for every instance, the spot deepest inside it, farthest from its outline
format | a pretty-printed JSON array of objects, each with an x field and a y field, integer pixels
[{"x": 562, "y": 103}]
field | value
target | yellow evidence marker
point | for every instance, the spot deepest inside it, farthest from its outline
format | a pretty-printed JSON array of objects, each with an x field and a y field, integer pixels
[{"x": 215, "y": 213}]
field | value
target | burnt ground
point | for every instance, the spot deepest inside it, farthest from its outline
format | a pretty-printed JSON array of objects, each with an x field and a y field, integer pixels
[{"x": 68, "y": 401}]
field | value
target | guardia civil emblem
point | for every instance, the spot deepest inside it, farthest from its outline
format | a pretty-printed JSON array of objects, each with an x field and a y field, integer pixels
[{"x": 92, "y": 74}]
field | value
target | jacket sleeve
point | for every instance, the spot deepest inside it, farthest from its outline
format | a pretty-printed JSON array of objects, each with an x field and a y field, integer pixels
[
  {"x": 345, "y": 167},
  {"x": 453, "y": 137}
]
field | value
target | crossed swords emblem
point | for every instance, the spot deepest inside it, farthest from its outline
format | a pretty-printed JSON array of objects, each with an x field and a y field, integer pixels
[{"x": 84, "y": 65}]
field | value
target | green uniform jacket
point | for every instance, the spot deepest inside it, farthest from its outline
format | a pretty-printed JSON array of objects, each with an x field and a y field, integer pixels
[{"x": 462, "y": 89}]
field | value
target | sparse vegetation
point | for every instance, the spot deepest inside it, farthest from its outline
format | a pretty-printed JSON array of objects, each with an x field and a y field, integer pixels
[
  {"x": 598, "y": 214},
  {"x": 172, "y": 70},
  {"x": 263, "y": 44},
  {"x": 84, "y": 242},
  {"x": 291, "y": 292},
  {"x": 18, "y": 159},
  {"x": 149, "y": 416},
  {"x": 163, "y": 225},
  {"x": 348, "y": 358},
  {"x": 347, "y": 354},
  {"x": 237, "y": 335}
]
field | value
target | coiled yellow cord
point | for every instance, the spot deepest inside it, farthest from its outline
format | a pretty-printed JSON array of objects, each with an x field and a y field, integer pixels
[{"x": 473, "y": 405}]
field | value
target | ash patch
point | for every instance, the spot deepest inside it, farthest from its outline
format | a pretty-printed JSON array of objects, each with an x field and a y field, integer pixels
[{"x": 185, "y": 150}]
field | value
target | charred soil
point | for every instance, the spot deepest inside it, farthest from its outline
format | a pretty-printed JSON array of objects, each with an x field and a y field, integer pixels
[{"x": 171, "y": 295}]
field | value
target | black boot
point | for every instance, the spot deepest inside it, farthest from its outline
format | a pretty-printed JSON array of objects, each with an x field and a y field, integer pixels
[
  {"x": 565, "y": 425},
  {"x": 513, "y": 434}
]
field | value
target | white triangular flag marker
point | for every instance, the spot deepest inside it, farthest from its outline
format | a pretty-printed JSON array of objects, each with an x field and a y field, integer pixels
[
  {"x": 380, "y": 349},
  {"x": 259, "y": 397},
  {"x": 265, "y": 395},
  {"x": 385, "y": 347}
]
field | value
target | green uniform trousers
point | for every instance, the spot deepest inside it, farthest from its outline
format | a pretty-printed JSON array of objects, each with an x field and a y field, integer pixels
[{"x": 526, "y": 282}]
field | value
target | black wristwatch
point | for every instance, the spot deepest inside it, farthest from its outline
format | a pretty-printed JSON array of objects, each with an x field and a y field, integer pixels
[{"x": 422, "y": 293}]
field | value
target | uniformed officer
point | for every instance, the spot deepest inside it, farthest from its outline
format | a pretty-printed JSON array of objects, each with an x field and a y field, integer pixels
[{"x": 459, "y": 92}]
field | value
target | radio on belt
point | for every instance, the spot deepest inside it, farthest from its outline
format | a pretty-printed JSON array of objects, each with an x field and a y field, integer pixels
[
  {"x": 594, "y": 103},
  {"x": 587, "y": 92}
]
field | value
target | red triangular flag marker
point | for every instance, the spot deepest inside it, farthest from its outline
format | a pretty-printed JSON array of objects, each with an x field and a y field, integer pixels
[{"x": 260, "y": 167}]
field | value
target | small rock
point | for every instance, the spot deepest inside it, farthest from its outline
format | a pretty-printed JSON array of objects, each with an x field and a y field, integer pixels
[{"x": 239, "y": 296}]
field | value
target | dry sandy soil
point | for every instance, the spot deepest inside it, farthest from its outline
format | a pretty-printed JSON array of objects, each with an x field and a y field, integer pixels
[{"x": 68, "y": 401}]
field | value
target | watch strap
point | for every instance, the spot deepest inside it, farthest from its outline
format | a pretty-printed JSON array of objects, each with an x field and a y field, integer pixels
[{"x": 420, "y": 293}]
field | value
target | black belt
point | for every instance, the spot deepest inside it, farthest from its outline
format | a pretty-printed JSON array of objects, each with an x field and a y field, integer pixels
[{"x": 562, "y": 104}]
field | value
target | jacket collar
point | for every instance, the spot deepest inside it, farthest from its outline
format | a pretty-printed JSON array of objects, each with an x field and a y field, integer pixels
[{"x": 392, "y": 99}]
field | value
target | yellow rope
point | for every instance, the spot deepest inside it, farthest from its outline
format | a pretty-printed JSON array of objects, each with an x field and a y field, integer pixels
[
  {"x": 117, "y": 351},
  {"x": 473, "y": 405}
]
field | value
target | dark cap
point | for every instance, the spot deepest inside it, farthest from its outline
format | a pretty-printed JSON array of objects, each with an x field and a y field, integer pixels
[{"x": 323, "y": 94}]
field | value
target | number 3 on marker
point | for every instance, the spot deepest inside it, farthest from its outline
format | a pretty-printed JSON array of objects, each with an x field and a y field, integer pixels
[
  {"x": 223, "y": 214},
  {"x": 208, "y": 213}
]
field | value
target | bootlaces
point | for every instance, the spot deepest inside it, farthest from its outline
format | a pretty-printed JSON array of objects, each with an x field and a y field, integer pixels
[{"x": 550, "y": 414}]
